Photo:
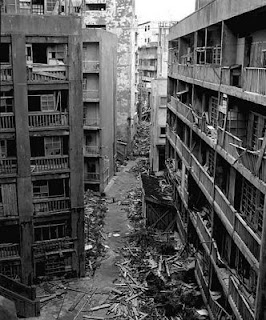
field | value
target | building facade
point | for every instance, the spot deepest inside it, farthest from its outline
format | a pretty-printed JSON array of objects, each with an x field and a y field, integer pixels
[
  {"x": 215, "y": 153},
  {"x": 41, "y": 139},
  {"x": 99, "y": 107},
  {"x": 118, "y": 17},
  {"x": 152, "y": 55},
  {"x": 158, "y": 123}
]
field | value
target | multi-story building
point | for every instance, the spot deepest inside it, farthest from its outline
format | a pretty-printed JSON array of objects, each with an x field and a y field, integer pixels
[
  {"x": 118, "y": 17},
  {"x": 216, "y": 141},
  {"x": 41, "y": 139},
  {"x": 152, "y": 55},
  {"x": 158, "y": 123},
  {"x": 99, "y": 102}
]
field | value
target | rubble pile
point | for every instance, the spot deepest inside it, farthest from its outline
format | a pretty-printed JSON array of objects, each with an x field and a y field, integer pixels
[
  {"x": 95, "y": 208},
  {"x": 142, "y": 166},
  {"x": 157, "y": 280},
  {"x": 141, "y": 145}
]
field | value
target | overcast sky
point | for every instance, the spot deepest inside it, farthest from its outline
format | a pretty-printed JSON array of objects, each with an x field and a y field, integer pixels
[{"x": 175, "y": 10}]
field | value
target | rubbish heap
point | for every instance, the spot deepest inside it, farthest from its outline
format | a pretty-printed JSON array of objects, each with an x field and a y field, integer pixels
[
  {"x": 95, "y": 208},
  {"x": 142, "y": 140}
]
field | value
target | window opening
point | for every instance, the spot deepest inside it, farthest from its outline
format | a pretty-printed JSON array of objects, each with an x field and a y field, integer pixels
[
  {"x": 96, "y": 7},
  {"x": 5, "y": 53},
  {"x": 53, "y": 146}
]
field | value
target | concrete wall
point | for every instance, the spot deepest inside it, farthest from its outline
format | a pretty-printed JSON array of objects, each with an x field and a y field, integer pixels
[
  {"x": 213, "y": 13},
  {"x": 119, "y": 18},
  {"x": 158, "y": 119}
]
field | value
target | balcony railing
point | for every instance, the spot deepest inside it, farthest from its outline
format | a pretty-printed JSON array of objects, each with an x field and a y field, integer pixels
[
  {"x": 7, "y": 121},
  {"x": 91, "y": 176},
  {"x": 254, "y": 80},
  {"x": 51, "y": 205},
  {"x": 90, "y": 66},
  {"x": 42, "y": 247},
  {"x": 91, "y": 150},
  {"x": 6, "y": 74},
  {"x": 251, "y": 240},
  {"x": 240, "y": 302},
  {"x": 207, "y": 73},
  {"x": 48, "y": 119},
  {"x": 91, "y": 122},
  {"x": 202, "y": 228},
  {"x": 8, "y": 165},
  {"x": 44, "y": 73},
  {"x": 183, "y": 109},
  {"x": 229, "y": 140},
  {"x": 8, "y": 250},
  {"x": 51, "y": 163},
  {"x": 90, "y": 95},
  {"x": 225, "y": 206}
]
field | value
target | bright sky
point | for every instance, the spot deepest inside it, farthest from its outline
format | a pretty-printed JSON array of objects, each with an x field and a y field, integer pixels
[{"x": 156, "y": 10}]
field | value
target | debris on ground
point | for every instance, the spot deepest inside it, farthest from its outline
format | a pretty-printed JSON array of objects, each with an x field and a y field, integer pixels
[
  {"x": 142, "y": 166},
  {"x": 95, "y": 208},
  {"x": 142, "y": 140}
]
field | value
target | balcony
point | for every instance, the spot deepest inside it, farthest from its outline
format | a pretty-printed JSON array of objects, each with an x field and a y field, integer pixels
[
  {"x": 224, "y": 205},
  {"x": 239, "y": 301},
  {"x": 91, "y": 122},
  {"x": 90, "y": 95},
  {"x": 51, "y": 163},
  {"x": 6, "y": 74},
  {"x": 9, "y": 250},
  {"x": 91, "y": 177},
  {"x": 207, "y": 73},
  {"x": 42, "y": 206},
  {"x": 254, "y": 80},
  {"x": 8, "y": 165},
  {"x": 7, "y": 121},
  {"x": 48, "y": 119},
  {"x": 227, "y": 141},
  {"x": 89, "y": 151},
  {"x": 47, "y": 73},
  {"x": 247, "y": 235},
  {"x": 249, "y": 159},
  {"x": 52, "y": 246},
  {"x": 90, "y": 66}
]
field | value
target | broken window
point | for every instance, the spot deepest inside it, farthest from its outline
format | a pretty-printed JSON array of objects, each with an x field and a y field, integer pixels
[
  {"x": 162, "y": 131},
  {"x": 251, "y": 206},
  {"x": 96, "y": 6},
  {"x": 7, "y": 148},
  {"x": 48, "y": 146},
  {"x": 5, "y": 53},
  {"x": 50, "y": 188},
  {"x": 48, "y": 101},
  {"x": 6, "y": 102},
  {"x": 263, "y": 58},
  {"x": 258, "y": 125},
  {"x": 45, "y": 53}
]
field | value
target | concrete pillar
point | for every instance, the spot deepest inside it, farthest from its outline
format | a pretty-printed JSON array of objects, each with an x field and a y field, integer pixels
[
  {"x": 260, "y": 310},
  {"x": 76, "y": 153},
  {"x": 24, "y": 186}
]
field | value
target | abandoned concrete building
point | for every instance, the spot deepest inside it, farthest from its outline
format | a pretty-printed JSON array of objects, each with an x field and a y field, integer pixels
[
  {"x": 41, "y": 136},
  {"x": 99, "y": 103},
  {"x": 215, "y": 153},
  {"x": 119, "y": 18}
]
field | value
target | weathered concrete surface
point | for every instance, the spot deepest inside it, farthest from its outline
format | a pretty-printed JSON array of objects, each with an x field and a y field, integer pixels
[
  {"x": 7, "y": 309},
  {"x": 98, "y": 288},
  {"x": 119, "y": 18}
]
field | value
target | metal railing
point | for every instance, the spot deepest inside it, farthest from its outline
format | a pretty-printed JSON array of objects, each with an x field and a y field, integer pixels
[
  {"x": 51, "y": 205},
  {"x": 8, "y": 165},
  {"x": 7, "y": 121},
  {"x": 8, "y": 250},
  {"x": 237, "y": 296},
  {"x": 6, "y": 73},
  {"x": 48, "y": 119},
  {"x": 50, "y": 163}
]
